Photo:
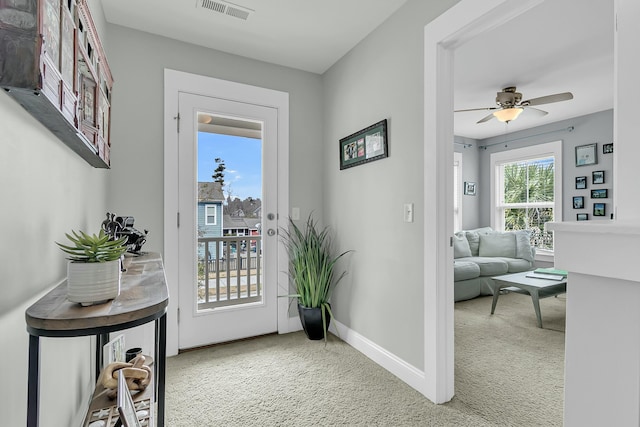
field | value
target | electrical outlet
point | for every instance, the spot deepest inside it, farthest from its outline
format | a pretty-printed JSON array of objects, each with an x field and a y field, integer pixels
[{"x": 408, "y": 212}]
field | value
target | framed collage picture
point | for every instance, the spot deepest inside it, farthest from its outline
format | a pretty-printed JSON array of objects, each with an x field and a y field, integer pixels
[{"x": 364, "y": 146}]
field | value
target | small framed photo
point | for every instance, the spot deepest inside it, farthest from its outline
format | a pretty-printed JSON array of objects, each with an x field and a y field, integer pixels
[
  {"x": 597, "y": 177},
  {"x": 607, "y": 148},
  {"x": 586, "y": 155},
  {"x": 599, "y": 209},
  {"x": 582, "y": 217},
  {"x": 581, "y": 182},
  {"x": 599, "y": 194},
  {"x": 578, "y": 202},
  {"x": 470, "y": 188}
]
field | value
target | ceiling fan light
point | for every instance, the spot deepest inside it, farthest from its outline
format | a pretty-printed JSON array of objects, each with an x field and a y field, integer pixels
[{"x": 508, "y": 114}]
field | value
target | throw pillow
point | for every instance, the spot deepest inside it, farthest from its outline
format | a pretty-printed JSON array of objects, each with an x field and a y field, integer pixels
[
  {"x": 460, "y": 246},
  {"x": 498, "y": 245},
  {"x": 473, "y": 236},
  {"x": 523, "y": 245}
]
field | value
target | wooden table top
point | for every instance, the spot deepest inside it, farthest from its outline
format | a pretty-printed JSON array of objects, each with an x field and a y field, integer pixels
[{"x": 144, "y": 296}]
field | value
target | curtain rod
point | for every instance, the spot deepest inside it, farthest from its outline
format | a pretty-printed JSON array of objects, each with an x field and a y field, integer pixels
[
  {"x": 567, "y": 129},
  {"x": 464, "y": 145}
]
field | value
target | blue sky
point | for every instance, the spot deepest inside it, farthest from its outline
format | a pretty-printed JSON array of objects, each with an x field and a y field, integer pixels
[{"x": 243, "y": 158}]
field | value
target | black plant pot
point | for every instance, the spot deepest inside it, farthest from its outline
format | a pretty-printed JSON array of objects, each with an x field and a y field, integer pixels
[{"x": 311, "y": 319}]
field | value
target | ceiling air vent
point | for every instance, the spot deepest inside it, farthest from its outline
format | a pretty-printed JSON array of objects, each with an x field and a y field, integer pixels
[{"x": 226, "y": 8}]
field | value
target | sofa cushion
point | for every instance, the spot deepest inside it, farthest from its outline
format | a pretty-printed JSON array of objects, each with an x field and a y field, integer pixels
[
  {"x": 465, "y": 270},
  {"x": 516, "y": 265},
  {"x": 498, "y": 244},
  {"x": 460, "y": 245},
  {"x": 488, "y": 266},
  {"x": 473, "y": 237},
  {"x": 523, "y": 245}
]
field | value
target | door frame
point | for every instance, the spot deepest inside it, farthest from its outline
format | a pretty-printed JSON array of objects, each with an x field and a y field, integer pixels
[
  {"x": 179, "y": 81},
  {"x": 442, "y": 36}
]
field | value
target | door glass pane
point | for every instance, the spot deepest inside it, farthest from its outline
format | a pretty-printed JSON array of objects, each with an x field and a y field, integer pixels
[{"x": 229, "y": 211}]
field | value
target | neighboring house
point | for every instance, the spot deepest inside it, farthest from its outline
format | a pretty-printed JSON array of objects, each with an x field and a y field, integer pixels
[
  {"x": 241, "y": 226},
  {"x": 210, "y": 218}
]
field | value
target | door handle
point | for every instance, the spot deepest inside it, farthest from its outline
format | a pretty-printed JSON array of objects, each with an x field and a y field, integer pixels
[{"x": 271, "y": 232}]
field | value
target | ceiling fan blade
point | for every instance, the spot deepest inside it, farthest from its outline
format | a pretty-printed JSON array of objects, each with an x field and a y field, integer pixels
[
  {"x": 565, "y": 96},
  {"x": 537, "y": 111},
  {"x": 486, "y": 118},
  {"x": 476, "y": 109}
]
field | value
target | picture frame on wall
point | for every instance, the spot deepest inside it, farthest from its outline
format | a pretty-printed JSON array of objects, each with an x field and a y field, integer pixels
[
  {"x": 582, "y": 217},
  {"x": 597, "y": 177},
  {"x": 599, "y": 209},
  {"x": 607, "y": 148},
  {"x": 470, "y": 188},
  {"x": 581, "y": 182},
  {"x": 586, "y": 155},
  {"x": 578, "y": 202},
  {"x": 364, "y": 146},
  {"x": 600, "y": 193}
]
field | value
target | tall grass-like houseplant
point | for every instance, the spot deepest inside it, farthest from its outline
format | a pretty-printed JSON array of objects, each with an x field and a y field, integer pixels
[
  {"x": 93, "y": 271},
  {"x": 311, "y": 267}
]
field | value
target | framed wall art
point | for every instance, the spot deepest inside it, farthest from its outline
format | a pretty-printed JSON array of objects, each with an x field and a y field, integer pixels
[
  {"x": 597, "y": 177},
  {"x": 599, "y": 209},
  {"x": 581, "y": 182},
  {"x": 578, "y": 202},
  {"x": 607, "y": 148},
  {"x": 586, "y": 155},
  {"x": 470, "y": 188},
  {"x": 599, "y": 194},
  {"x": 364, "y": 146},
  {"x": 582, "y": 217}
]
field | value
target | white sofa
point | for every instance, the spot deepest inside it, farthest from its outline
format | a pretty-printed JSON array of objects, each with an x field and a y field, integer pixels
[{"x": 482, "y": 253}]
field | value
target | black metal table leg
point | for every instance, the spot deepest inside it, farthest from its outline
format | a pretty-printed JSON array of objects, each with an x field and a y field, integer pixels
[
  {"x": 34, "y": 385},
  {"x": 161, "y": 352}
]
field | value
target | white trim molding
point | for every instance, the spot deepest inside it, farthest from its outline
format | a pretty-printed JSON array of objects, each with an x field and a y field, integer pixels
[
  {"x": 443, "y": 35},
  {"x": 176, "y": 82}
]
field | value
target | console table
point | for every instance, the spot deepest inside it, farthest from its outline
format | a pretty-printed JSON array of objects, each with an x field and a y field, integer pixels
[{"x": 143, "y": 298}]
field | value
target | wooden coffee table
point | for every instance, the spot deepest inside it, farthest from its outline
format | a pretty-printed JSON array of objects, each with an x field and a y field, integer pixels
[{"x": 537, "y": 288}]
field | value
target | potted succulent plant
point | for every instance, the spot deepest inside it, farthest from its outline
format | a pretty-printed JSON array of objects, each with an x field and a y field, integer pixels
[
  {"x": 311, "y": 268},
  {"x": 94, "y": 270}
]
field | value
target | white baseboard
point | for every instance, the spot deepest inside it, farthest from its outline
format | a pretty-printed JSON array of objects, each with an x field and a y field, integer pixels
[{"x": 392, "y": 363}]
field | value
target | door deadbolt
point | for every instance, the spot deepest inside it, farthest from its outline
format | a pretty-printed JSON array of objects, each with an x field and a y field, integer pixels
[{"x": 271, "y": 216}]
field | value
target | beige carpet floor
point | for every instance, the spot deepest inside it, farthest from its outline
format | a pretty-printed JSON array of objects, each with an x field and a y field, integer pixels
[{"x": 508, "y": 373}]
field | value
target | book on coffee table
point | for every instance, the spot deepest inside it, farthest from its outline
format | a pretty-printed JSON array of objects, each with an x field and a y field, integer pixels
[
  {"x": 555, "y": 271},
  {"x": 547, "y": 276}
]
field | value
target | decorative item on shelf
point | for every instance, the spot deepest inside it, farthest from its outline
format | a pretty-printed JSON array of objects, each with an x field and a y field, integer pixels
[
  {"x": 122, "y": 226},
  {"x": 94, "y": 268},
  {"x": 137, "y": 374},
  {"x": 311, "y": 267}
]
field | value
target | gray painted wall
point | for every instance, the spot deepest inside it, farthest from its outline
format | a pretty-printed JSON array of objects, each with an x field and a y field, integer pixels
[
  {"x": 138, "y": 60},
  {"x": 470, "y": 173},
  {"x": 382, "y": 77},
  {"x": 47, "y": 190},
  {"x": 597, "y": 127}
]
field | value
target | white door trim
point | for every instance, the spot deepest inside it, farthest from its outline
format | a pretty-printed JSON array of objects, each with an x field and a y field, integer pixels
[
  {"x": 462, "y": 22},
  {"x": 178, "y": 81}
]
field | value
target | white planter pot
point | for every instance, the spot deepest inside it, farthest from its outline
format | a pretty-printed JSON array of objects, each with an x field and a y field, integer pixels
[{"x": 93, "y": 282}]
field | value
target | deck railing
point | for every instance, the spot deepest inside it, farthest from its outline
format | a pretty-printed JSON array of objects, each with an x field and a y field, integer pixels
[{"x": 230, "y": 272}]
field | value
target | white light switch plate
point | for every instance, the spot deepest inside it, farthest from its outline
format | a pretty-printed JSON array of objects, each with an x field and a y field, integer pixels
[
  {"x": 408, "y": 212},
  {"x": 295, "y": 213}
]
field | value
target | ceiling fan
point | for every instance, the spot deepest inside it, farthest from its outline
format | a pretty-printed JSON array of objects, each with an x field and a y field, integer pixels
[{"x": 510, "y": 104}]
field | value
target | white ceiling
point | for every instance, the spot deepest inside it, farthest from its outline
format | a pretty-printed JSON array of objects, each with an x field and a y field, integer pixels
[
  {"x": 559, "y": 46},
  {"x": 309, "y": 35}
]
